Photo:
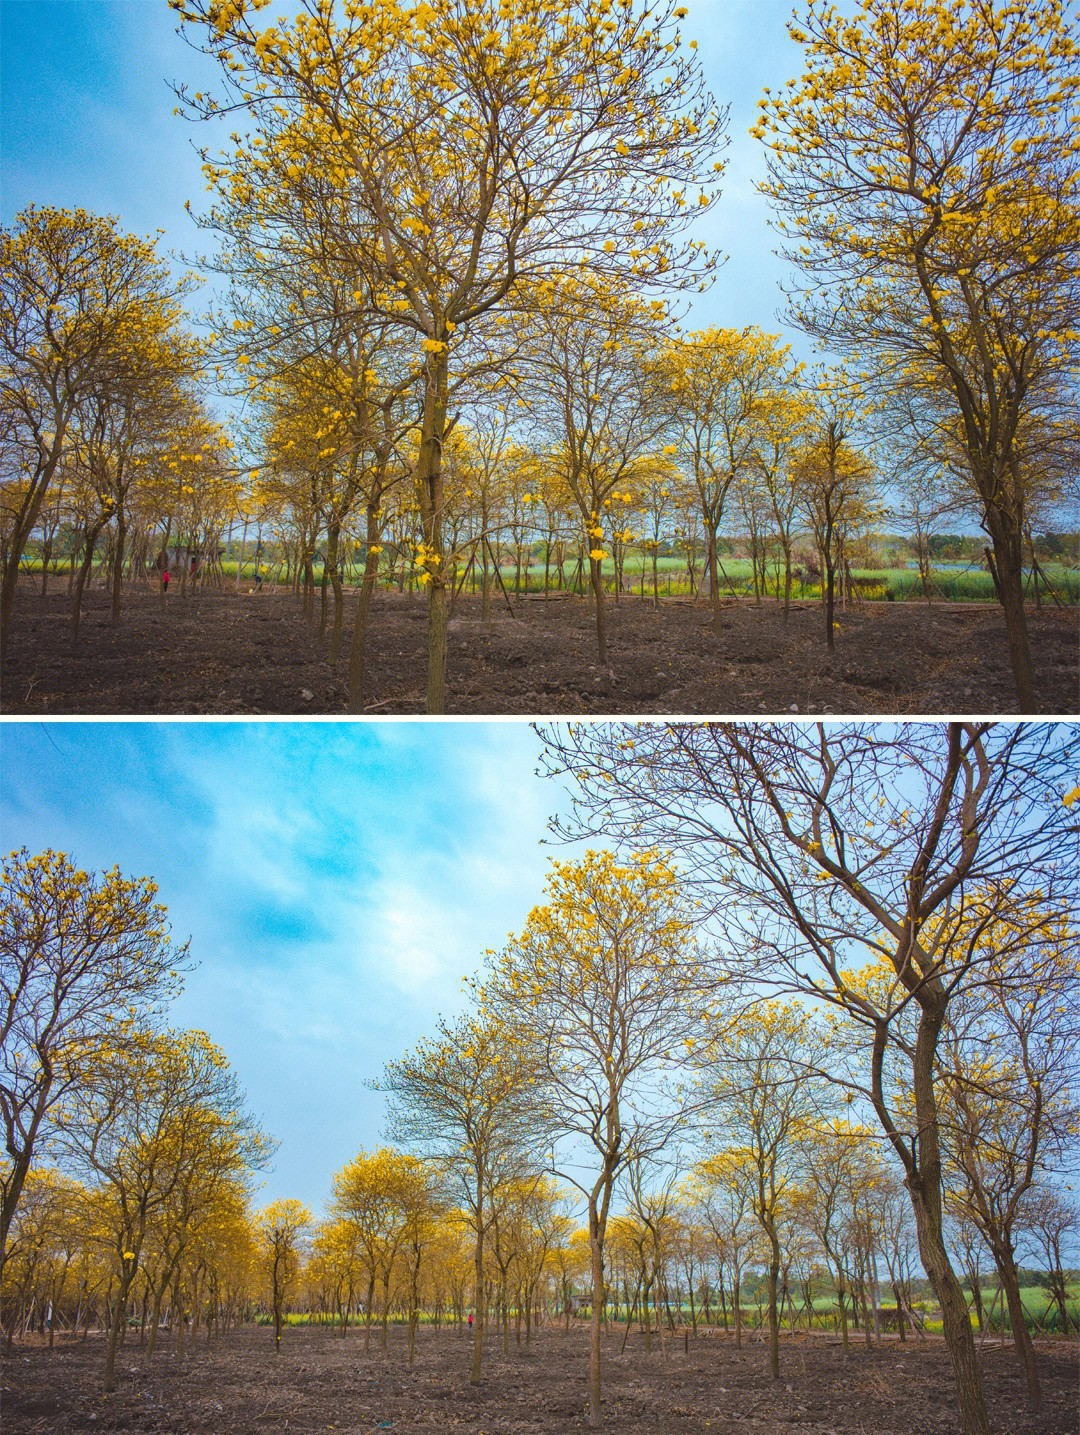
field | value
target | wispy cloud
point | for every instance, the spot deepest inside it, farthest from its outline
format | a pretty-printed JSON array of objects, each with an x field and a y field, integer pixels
[{"x": 337, "y": 882}]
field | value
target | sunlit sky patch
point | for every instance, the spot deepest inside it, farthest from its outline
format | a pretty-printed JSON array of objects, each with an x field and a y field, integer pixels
[
  {"x": 86, "y": 119},
  {"x": 336, "y": 880}
]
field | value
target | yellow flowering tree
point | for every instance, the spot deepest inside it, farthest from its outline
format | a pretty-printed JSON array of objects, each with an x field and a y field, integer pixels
[
  {"x": 48, "y": 1234},
  {"x": 834, "y": 480},
  {"x": 925, "y": 171},
  {"x": 812, "y": 845},
  {"x": 837, "y": 1160},
  {"x": 481, "y": 146},
  {"x": 761, "y": 1104},
  {"x": 1007, "y": 1065},
  {"x": 120, "y": 430},
  {"x": 660, "y": 486},
  {"x": 185, "y": 490},
  {"x": 721, "y": 1188},
  {"x": 465, "y": 1098},
  {"x": 76, "y": 297},
  {"x": 604, "y": 987},
  {"x": 281, "y": 1231},
  {"x": 383, "y": 1197},
  {"x": 717, "y": 382},
  {"x": 79, "y": 953},
  {"x": 159, "y": 1121},
  {"x": 593, "y": 390},
  {"x": 783, "y": 423}
]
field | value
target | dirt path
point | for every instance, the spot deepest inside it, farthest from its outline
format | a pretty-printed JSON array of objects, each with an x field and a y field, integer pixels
[
  {"x": 253, "y": 653},
  {"x": 321, "y": 1383}
]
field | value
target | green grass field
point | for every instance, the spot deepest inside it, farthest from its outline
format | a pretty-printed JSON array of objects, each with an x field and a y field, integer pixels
[
  {"x": 1036, "y": 1300},
  {"x": 883, "y": 584},
  {"x": 1040, "y": 1309},
  {"x": 877, "y": 584}
]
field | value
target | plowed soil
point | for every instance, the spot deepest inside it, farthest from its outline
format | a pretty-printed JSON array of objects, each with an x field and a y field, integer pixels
[
  {"x": 223, "y": 652},
  {"x": 320, "y": 1383}
]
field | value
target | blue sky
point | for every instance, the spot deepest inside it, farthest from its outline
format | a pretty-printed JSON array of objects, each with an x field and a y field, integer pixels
[
  {"x": 86, "y": 119},
  {"x": 337, "y": 880}
]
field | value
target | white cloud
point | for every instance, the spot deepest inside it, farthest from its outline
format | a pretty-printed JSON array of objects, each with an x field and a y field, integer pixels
[{"x": 419, "y": 937}]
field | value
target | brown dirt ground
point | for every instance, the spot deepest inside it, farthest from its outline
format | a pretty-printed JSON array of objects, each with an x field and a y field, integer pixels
[
  {"x": 320, "y": 1383},
  {"x": 224, "y": 652}
]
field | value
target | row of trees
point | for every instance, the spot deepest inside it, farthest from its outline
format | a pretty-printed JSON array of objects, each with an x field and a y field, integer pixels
[
  {"x": 633, "y": 437},
  {"x": 607, "y": 433},
  {"x": 647, "y": 438},
  {"x": 518, "y": 209},
  {"x": 686, "y": 1253},
  {"x": 827, "y": 965},
  {"x": 146, "y": 1124},
  {"x": 750, "y": 444},
  {"x": 875, "y": 885},
  {"x": 104, "y": 423},
  {"x": 496, "y": 244}
]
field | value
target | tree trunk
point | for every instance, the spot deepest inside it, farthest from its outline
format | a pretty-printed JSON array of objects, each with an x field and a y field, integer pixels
[
  {"x": 976, "y": 1296},
  {"x": 478, "y": 1293},
  {"x": 24, "y": 526},
  {"x": 80, "y": 582},
  {"x": 240, "y": 557},
  {"x": 868, "y": 1334},
  {"x": 118, "y": 568},
  {"x": 429, "y": 479},
  {"x": 900, "y": 1322},
  {"x": 1021, "y": 1337},
  {"x": 46, "y": 555},
  {"x": 118, "y": 1318},
  {"x": 774, "y": 1315},
  {"x": 330, "y": 567},
  {"x": 367, "y": 1312},
  {"x": 596, "y": 1250},
  {"x": 713, "y": 567},
  {"x": 924, "y": 1184},
  {"x": 485, "y": 581},
  {"x": 955, "y": 1319},
  {"x": 155, "y": 1318},
  {"x": 438, "y": 625},
  {"x": 358, "y": 650},
  {"x": 596, "y": 576},
  {"x": 1008, "y": 555}
]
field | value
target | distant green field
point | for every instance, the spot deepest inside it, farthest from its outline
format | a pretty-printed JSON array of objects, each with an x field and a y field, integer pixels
[
  {"x": 882, "y": 584},
  {"x": 1037, "y": 1305},
  {"x": 876, "y": 584},
  {"x": 304, "y": 1317},
  {"x": 1036, "y": 1300}
]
